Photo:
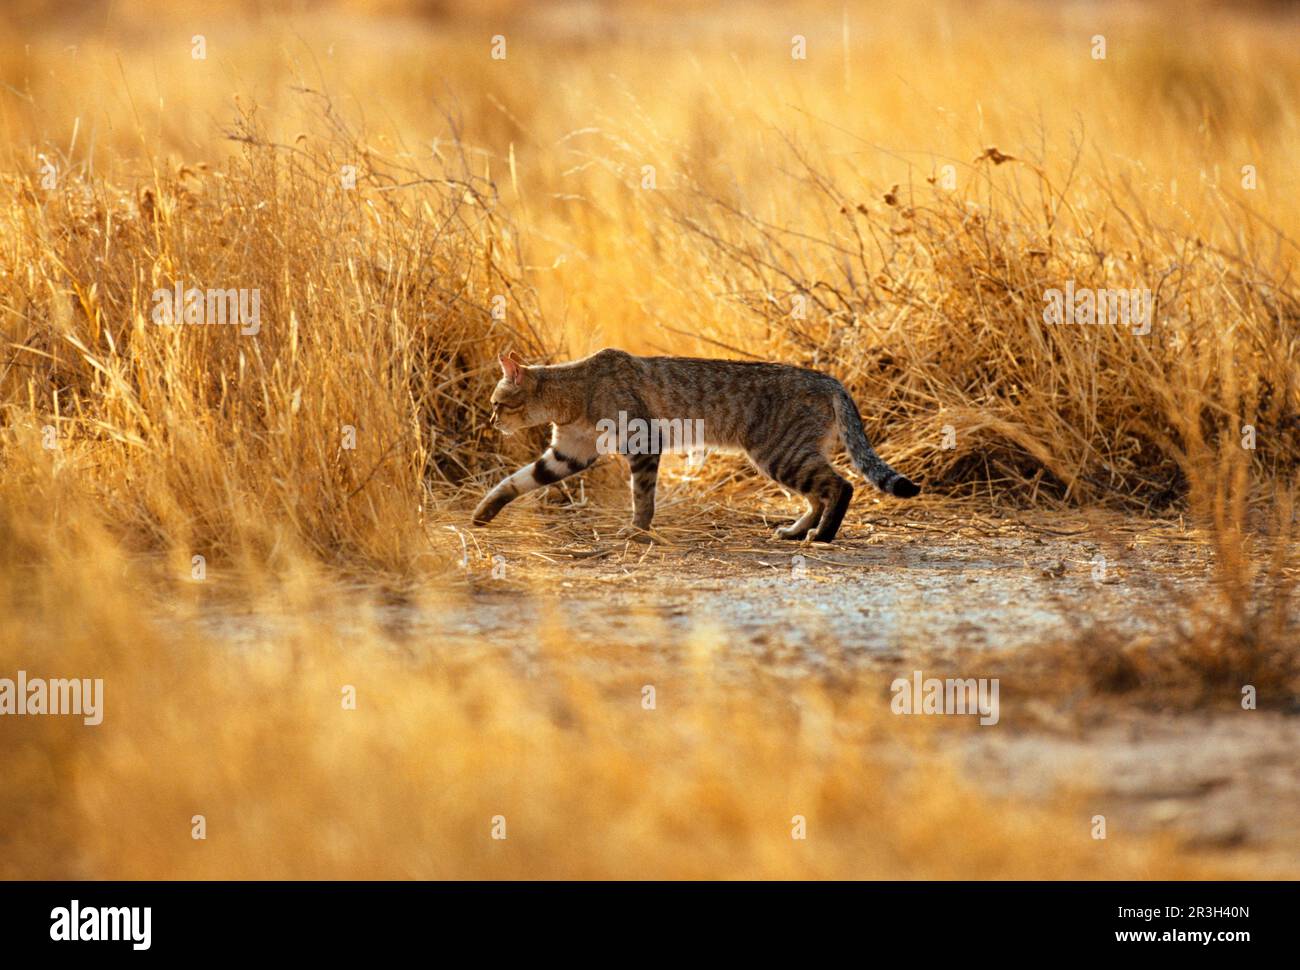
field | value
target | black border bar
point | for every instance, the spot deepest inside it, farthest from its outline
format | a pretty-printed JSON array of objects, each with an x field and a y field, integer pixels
[{"x": 532, "y": 918}]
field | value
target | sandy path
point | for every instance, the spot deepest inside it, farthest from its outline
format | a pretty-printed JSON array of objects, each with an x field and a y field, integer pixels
[{"x": 902, "y": 591}]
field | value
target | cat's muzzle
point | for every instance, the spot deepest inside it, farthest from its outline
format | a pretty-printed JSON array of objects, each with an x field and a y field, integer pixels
[{"x": 497, "y": 425}]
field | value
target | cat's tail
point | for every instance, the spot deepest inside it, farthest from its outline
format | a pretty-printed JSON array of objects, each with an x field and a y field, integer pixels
[{"x": 864, "y": 457}]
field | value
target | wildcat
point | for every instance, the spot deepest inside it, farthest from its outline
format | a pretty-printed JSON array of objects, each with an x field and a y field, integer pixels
[{"x": 787, "y": 419}]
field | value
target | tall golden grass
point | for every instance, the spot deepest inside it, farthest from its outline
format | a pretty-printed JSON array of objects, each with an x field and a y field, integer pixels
[
  {"x": 315, "y": 435},
  {"x": 661, "y": 180}
]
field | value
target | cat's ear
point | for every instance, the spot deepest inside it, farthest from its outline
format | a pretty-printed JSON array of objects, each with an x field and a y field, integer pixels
[{"x": 512, "y": 367}]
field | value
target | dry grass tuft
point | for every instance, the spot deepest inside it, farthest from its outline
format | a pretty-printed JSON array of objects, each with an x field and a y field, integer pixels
[
  {"x": 318, "y": 428},
  {"x": 930, "y": 304}
]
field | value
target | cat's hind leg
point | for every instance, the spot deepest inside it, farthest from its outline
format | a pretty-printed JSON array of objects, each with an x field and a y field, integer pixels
[
  {"x": 838, "y": 493},
  {"x": 808, "y": 472}
]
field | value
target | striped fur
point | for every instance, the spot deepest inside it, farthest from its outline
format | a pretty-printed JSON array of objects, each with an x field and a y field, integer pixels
[{"x": 788, "y": 420}]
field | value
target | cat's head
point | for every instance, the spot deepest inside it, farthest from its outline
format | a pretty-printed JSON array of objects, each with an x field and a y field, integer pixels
[{"x": 515, "y": 403}]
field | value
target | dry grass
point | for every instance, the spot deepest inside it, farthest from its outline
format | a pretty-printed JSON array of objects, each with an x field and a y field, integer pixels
[
  {"x": 590, "y": 784},
  {"x": 236, "y": 445},
  {"x": 524, "y": 179}
]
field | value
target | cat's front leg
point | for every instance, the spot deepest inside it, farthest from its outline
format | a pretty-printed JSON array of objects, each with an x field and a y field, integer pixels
[
  {"x": 553, "y": 466},
  {"x": 645, "y": 477}
]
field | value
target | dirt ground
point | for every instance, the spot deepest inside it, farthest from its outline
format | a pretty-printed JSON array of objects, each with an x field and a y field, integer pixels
[{"x": 928, "y": 587}]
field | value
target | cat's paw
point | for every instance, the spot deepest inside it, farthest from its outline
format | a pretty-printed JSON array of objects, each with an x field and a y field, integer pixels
[{"x": 790, "y": 533}]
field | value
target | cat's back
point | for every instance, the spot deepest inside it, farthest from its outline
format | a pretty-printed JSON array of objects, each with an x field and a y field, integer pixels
[
  {"x": 711, "y": 372},
  {"x": 727, "y": 393},
  {"x": 612, "y": 362}
]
